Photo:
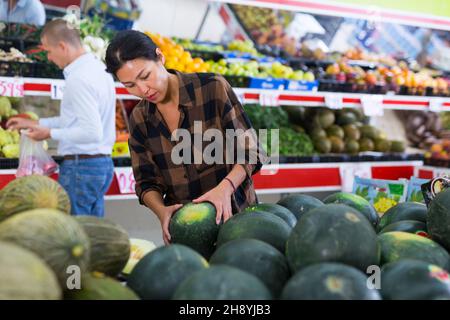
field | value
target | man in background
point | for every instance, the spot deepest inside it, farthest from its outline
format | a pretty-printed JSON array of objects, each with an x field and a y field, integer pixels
[
  {"x": 22, "y": 11},
  {"x": 85, "y": 128}
]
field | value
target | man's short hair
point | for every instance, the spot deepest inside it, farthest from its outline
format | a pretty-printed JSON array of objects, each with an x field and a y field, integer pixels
[{"x": 60, "y": 30}]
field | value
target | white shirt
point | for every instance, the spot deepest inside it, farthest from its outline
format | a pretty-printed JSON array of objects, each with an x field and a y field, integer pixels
[
  {"x": 86, "y": 124},
  {"x": 25, "y": 11}
]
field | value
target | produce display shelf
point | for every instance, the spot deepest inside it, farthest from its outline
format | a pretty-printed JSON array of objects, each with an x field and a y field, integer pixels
[
  {"x": 47, "y": 87},
  {"x": 274, "y": 179}
]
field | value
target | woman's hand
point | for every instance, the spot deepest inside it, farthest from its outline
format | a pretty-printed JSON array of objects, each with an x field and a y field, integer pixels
[
  {"x": 220, "y": 197},
  {"x": 164, "y": 215}
]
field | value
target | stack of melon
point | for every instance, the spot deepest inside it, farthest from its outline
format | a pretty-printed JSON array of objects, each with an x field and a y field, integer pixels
[
  {"x": 303, "y": 248},
  {"x": 47, "y": 254}
]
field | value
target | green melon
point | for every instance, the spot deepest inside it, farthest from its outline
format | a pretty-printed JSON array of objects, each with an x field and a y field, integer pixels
[
  {"x": 397, "y": 245},
  {"x": 24, "y": 276},
  {"x": 32, "y": 192},
  {"x": 351, "y": 132},
  {"x": 345, "y": 117},
  {"x": 438, "y": 218},
  {"x": 222, "y": 283},
  {"x": 403, "y": 211},
  {"x": 299, "y": 204},
  {"x": 410, "y": 226},
  {"x": 366, "y": 144},
  {"x": 158, "y": 274},
  {"x": 97, "y": 286},
  {"x": 255, "y": 257},
  {"x": 277, "y": 210},
  {"x": 335, "y": 131},
  {"x": 333, "y": 233},
  {"x": 110, "y": 245},
  {"x": 356, "y": 202},
  {"x": 194, "y": 225},
  {"x": 55, "y": 237},
  {"x": 329, "y": 281},
  {"x": 414, "y": 280},
  {"x": 322, "y": 145},
  {"x": 263, "y": 226},
  {"x": 325, "y": 118},
  {"x": 398, "y": 146},
  {"x": 337, "y": 144}
]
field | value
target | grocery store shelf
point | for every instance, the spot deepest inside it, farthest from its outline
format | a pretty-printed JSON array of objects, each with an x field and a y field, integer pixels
[
  {"x": 47, "y": 87},
  {"x": 334, "y": 8},
  {"x": 342, "y": 100}
]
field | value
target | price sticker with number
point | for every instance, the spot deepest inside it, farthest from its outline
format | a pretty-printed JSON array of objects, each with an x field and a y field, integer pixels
[
  {"x": 334, "y": 101},
  {"x": 269, "y": 99},
  {"x": 372, "y": 105},
  {"x": 125, "y": 179},
  {"x": 57, "y": 91},
  {"x": 12, "y": 87},
  {"x": 436, "y": 104}
]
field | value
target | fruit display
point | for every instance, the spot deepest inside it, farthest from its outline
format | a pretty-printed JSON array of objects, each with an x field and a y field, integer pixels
[
  {"x": 176, "y": 56},
  {"x": 300, "y": 248}
]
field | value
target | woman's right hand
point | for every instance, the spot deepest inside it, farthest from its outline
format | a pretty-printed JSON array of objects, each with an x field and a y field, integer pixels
[{"x": 164, "y": 216}]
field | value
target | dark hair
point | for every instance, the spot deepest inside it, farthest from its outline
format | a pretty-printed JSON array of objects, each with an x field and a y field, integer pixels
[{"x": 126, "y": 46}]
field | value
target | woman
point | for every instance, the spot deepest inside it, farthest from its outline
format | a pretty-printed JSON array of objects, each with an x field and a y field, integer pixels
[{"x": 172, "y": 102}]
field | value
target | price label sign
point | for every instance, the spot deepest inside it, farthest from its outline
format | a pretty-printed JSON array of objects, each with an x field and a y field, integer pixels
[
  {"x": 372, "y": 105},
  {"x": 333, "y": 101},
  {"x": 436, "y": 104},
  {"x": 57, "y": 91},
  {"x": 269, "y": 99},
  {"x": 348, "y": 172},
  {"x": 126, "y": 181},
  {"x": 12, "y": 87}
]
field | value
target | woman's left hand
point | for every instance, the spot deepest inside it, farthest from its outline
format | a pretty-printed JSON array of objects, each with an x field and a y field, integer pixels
[{"x": 220, "y": 197}]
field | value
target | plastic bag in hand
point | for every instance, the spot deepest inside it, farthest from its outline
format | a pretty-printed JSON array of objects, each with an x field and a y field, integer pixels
[{"x": 33, "y": 158}]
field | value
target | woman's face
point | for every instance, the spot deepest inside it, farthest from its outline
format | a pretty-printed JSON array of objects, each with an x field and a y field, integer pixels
[{"x": 145, "y": 78}]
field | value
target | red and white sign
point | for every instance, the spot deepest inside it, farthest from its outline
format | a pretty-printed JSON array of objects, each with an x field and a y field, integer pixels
[
  {"x": 125, "y": 179},
  {"x": 12, "y": 87}
]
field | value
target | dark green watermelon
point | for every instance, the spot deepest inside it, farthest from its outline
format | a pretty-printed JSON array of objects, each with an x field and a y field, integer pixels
[
  {"x": 414, "y": 280},
  {"x": 333, "y": 233},
  {"x": 263, "y": 226},
  {"x": 356, "y": 202},
  {"x": 410, "y": 226},
  {"x": 194, "y": 225},
  {"x": 403, "y": 211},
  {"x": 255, "y": 257},
  {"x": 222, "y": 283},
  {"x": 329, "y": 281},
  {"x": 158, "y": 274},
  {"x": 399, "y": 245},
  {"x": 277, "y": 210},
  {"x": 438, "y": 219},
  {"x": 299, "y": 204}
]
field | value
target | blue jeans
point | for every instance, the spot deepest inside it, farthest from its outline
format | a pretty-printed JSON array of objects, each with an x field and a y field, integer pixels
[{"x": 86, "y": 181}]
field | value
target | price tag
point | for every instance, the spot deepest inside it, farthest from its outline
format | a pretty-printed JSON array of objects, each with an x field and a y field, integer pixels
[
  {"x": 12, "y": 87},
  {"x": 333, "y": 101},
  {"x": 126, "y": 181},
  {"x": 372, "y": 105},
  {"x": 348, "y": 173},
  {"x": 269, "y": 99},
  {"x": 436, "y": 104},
  {"x": 57, "y": 91}
]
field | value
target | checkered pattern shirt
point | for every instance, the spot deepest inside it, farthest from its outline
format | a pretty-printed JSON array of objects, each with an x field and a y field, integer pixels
[{"x": 204, "y": 97}]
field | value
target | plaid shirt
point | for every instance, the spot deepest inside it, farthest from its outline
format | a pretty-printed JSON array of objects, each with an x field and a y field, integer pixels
[{"x": 204, "y": 97}]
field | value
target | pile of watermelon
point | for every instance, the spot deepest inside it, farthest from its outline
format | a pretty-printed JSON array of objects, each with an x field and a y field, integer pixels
[
  {"x": 303, "y": 248},
  {"x": 300, "y": 248},
  {"x": 47, "y": 254}
]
